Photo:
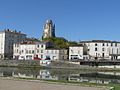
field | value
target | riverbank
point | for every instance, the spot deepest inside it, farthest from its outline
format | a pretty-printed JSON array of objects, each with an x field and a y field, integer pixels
[
  {"x": 52, "y": 65},
  {"x": 18, "y": 84}
]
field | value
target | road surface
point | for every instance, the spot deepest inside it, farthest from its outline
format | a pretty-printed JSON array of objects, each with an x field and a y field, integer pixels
[{"x": 8, "y": 84}]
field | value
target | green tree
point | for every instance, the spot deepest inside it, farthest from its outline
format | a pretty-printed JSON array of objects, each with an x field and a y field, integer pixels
[{"x": 60, "y": 42}]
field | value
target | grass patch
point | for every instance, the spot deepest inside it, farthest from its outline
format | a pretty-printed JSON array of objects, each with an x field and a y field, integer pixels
[{"x": 115, "y": 86}]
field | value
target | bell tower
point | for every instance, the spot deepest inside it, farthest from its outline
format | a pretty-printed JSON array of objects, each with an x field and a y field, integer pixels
[{"x": 49, "y": 29}]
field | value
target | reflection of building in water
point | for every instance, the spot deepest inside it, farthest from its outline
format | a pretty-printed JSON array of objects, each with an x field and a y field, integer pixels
[
  {"x": 1, "y": 74},
  {"x": 95, "y": 78},
  {"x": 45, "y": 74},
  {"x": 110, "y": 73},
  {"x": 26, "y": 73},
  {"x": 22, "y": 75},
  {"x": 42, "y": 74},
  {"x": 5, "y": 74}
]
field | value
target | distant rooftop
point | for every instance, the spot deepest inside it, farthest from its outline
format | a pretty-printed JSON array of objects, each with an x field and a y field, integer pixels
[
  {"x": 79, "y": 45},
  {"x": 99, "y": 41},
  {"x": 55, "y": 49},
  {"x": 33, "y": 42},
  {"x": 11, "y": 31}
]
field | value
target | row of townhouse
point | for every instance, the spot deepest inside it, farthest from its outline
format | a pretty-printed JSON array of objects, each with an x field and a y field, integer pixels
[
  {"x": 38, "y": 51},
  {"x": 95, "y": 49},
  {"x": 16, "y": 45}
]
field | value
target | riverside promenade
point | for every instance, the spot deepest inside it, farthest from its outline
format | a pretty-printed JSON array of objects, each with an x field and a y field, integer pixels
[{"x": 9, "y": 84}]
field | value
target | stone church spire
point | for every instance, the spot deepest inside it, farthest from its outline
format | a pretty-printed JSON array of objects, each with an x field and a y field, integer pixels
[{"x": 49, "y": 29}]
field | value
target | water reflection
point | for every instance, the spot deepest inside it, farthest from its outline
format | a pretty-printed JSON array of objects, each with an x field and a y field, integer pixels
[{"x": 68, "y": 75}]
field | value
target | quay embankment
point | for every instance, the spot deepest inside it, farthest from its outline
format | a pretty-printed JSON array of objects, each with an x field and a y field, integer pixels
[
  {"x": 19, "y": 63},
  {"x": 55, "y": 65},
  {"x": 36, "y": 63}
]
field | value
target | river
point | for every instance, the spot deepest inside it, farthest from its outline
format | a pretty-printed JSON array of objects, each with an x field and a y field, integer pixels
[{"x": 62, "y": 74}]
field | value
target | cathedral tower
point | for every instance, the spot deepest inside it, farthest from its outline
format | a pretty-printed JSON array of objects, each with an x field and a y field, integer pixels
[{"x": 49, "y": 29}]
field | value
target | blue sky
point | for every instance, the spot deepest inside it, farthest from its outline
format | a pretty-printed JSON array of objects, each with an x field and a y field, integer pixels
[{"x": 74, "y": 19}]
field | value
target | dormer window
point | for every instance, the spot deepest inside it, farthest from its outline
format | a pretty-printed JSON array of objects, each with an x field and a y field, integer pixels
[
  {"x": 103, "y": 44},
  {"x": 95, "y": 44},
  {"x": 116, "y": 44},
  {"x": 111, "y": 44}
]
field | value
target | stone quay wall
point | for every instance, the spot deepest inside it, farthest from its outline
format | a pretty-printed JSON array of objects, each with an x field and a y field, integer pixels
[
  {"x": 36, "y": 63},
  {"x": 19, "y": 63}
]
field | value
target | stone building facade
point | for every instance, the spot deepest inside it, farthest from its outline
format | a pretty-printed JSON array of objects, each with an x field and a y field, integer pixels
[
  {"x": 7, "y": 39},
  {"x": 102, "y": 49},
  {"x": 30, "y": 50}
]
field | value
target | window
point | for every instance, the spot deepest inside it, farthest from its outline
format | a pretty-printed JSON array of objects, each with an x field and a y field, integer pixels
[
  {"x": 28, "y": 57},
  {"x": 32, "y": 51},
  {"x": 103, "y": 54},
  {"x": 41, "y": 46},
  {"x": 103, "y": 44},
  {"x": 29, "y": 51},
  {"x": 95, "y": 49},
  {"x": 107, "y": 44},
  {"x": 37, "y": 51},
  {"x": 11, "y": 47},
  {"x": 38, "y": 46},
  {"x": 22, "y": 51},
  {"x": 36, "y": 56},
  {"x": 116, "y": 44},
  {"x": 41, "y": 56},
  {"x": 17, "y": 50},
  {"x": 103, "y": 49},
  {"x": 111, "y": 44},
  {"x": 117, "y": 51},
  {"x": 41, "y": 51},
  {"x": 95, "y": 44}
]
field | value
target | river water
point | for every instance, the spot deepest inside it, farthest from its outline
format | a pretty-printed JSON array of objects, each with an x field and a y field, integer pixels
[{"x": 61, "y": 74}]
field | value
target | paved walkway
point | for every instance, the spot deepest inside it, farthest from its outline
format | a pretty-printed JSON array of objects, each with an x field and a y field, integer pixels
[{"x": 6, "y": 84}]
